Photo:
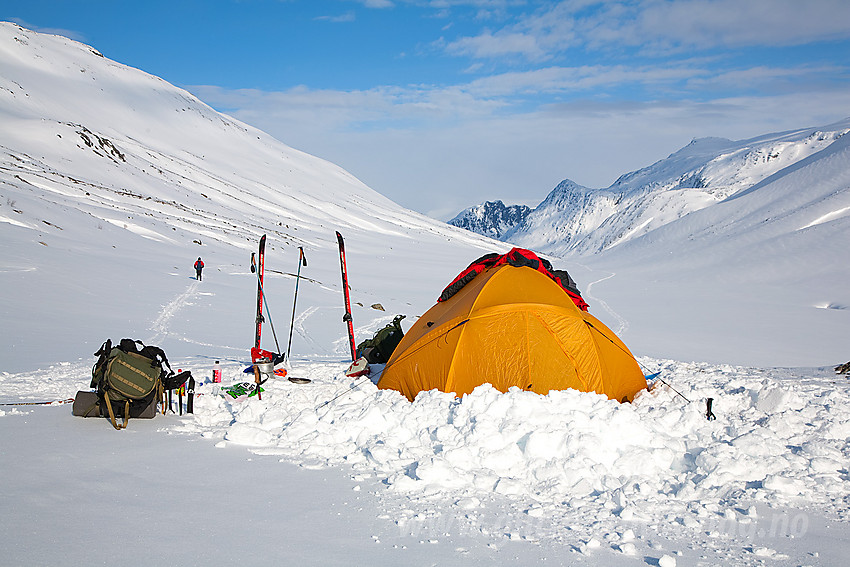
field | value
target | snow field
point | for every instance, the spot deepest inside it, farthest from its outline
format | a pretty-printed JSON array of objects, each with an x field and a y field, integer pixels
[
  {"x": 570, "y": 461},
  {"x": 652, "y": 478}
]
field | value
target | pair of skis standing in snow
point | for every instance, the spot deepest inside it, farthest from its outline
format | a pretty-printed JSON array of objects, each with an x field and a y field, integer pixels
[{"x": 263, "y": 360}]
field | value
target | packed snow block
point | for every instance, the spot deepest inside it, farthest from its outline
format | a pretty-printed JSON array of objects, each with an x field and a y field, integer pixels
[{"x": 87, "y": 404}]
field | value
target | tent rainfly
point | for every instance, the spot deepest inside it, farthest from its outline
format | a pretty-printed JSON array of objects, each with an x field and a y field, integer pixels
[{"x": 511, "y": 321}]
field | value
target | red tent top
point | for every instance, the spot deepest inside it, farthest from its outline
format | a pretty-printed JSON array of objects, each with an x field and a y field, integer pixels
[{"x": 518, "y": 257}]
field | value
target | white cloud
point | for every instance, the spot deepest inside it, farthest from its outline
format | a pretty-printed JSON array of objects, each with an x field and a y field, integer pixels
[
  {"x": 660, "y": 26},
  {"x": 377, "y": 3},
  {"x": 733, "y": 23},
  {"x": 772, "y": 79},
  {"x": 584, "y": 78},
  {"x": 438, "y": 150},
  {"x": 514, "y": 135},
  {"x": 506, "y": 43},
  {"x": 341, "y": 18}
]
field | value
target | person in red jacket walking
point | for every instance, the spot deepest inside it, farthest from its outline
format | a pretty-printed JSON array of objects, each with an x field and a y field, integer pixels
[{"x": 199, "y": 265}]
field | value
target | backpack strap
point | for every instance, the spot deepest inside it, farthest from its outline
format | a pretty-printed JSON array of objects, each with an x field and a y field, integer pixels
[
  {"x": 112, "y": 413},
  {"x": 155, "y": 353},
  {"x": 88, "y": 411},
  {"x": 161, "y": 395},
  {"x": 129, "y": 345},
  {"x": 99, "y": 366}
]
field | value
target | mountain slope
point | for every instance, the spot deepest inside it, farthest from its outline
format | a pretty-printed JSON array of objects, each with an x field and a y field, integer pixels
[
  {"x": 704, "y": 173},
  {"x": 112, "y": 180},
  {"x": 765, "y": 269},
  {"x": 568, "y": 214}
]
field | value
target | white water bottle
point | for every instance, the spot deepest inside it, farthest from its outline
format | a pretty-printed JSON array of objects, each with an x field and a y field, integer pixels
[{"x": 216, "y": 372}]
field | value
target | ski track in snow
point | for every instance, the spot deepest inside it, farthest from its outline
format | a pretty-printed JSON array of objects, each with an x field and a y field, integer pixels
[
  {"x": 298, "y": 327},
  {"x": 161, "y": 324},
  {"x": 622, "y": 324}
]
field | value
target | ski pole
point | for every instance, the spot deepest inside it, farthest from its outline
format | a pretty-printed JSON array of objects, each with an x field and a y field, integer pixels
[
  {"x": 268, "y": 312},
  {"x": 302, "y": 260},
  {"x": 47, "y": 403}
]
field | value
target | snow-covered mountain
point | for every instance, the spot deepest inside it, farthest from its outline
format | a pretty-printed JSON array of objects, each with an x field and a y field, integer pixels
[
  {"x": 769, "y": 264},
  {"x": 766, "y": 219},
  {"x": 491, "y": 218},
  {"x": 586, "y": 209},
  {"x": 578, "y": 220},
  {"x": 112, "y": 181}
]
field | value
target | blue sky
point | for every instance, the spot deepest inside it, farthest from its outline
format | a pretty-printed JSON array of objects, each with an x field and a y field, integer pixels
[{"x": 442, "y": 104}]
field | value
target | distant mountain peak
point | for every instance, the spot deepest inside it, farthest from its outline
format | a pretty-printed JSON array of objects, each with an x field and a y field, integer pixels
[
  {"x": 565, "y": 190},
  {"x": 491, "y": 218}
]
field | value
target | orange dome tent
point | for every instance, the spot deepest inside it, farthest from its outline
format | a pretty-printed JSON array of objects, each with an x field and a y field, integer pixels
[{"x": 511, "y": 321}]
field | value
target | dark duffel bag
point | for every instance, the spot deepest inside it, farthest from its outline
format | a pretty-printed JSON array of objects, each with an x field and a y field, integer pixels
[{"x": 87, "y": 404}]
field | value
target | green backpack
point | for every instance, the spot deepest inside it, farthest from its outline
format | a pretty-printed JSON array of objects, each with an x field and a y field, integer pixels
[
  {"x": 128, "y": 376},
  {"x": 379, "y": 348}
]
